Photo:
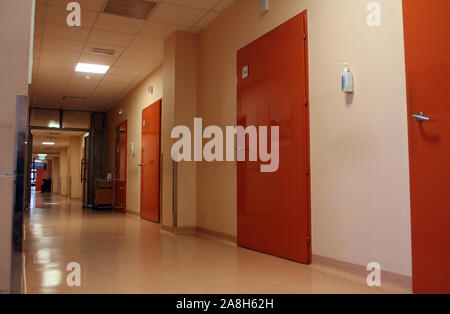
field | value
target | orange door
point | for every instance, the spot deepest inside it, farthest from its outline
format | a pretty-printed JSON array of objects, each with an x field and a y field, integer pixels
[
  {"x": 273, "y": 208},
  {"x": 120, "y": 195},
  {"x": 40, "y": 176},
  {"x": 427, "y": 49},
  {"x": 150, "y": 162}
]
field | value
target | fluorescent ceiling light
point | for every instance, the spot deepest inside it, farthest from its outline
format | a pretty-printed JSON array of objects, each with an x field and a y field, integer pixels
[
  {"x": 53, "y": 124},
  {"x": 92, "y": 68},
  {"x": 48, "y": 143}
]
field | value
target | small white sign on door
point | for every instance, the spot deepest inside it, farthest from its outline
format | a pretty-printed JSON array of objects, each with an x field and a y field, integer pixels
[{"x": 245, "y": 72}]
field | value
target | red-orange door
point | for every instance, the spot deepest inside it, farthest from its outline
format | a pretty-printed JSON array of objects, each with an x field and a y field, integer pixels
[
  {"x": 120, "y": 195},
  {"x": 40, "y": 176},
  {"x": 273, "y": 208},
  {"x": 150, "y": 162},
  {"x": 427, "y": 49}
]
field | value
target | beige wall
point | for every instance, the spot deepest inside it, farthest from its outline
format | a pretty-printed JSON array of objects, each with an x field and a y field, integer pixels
[
  {"x": 185, "y": 109},
  {"x": 55, "y": 175},
  {"x": 177, "y": 81},
  {"x": 132, "y": 106},
  {"x": 64, "y": 170},
  {"x": 14, "y": 57},
  {"x": 359, "y": 152},
  {"x": 75, "y": 166}
]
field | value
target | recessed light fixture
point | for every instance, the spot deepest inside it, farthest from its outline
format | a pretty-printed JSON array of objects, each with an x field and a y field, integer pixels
[
  {"x": 92, "y": 68},
  {"x": 53, "y": 124},
  {"x": 48, "y": 143}
]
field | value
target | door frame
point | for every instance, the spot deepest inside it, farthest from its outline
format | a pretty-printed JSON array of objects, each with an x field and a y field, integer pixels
[
  {"x": 123, "y": 124},
  {"x": 160, "y": 177}
]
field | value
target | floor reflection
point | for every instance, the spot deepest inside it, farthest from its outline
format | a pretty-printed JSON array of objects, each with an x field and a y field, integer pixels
[{"x": 123, "y": 254}]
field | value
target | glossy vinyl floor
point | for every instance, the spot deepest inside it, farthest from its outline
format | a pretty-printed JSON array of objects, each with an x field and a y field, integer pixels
[{"x": 123, "y": 254}]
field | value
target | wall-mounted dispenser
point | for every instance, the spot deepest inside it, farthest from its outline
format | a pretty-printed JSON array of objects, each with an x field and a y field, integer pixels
[
  {"x": 264, "y": 5},
  {"x": 347, "y": 79}
]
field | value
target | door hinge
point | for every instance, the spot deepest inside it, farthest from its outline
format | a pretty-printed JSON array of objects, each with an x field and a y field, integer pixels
[
  {"x": 306, "y": 102},
  {"x": 308, "y": 240},
  {"x": 307, "y": 171},
  {"x": 304, "y": 36}
]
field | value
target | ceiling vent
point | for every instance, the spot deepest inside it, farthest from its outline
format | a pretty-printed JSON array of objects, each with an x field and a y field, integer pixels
[
  {"x": 73, "y": 99},
  {"x": 139, "y": 9},
  {"x": 103, "y": 52}
]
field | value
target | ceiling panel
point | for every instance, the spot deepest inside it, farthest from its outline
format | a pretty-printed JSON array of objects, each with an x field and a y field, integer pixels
[
  {"x": 118, "y": 24},
  {"x": 136, "y": 46},
  {"x": 199, "y": 4},
  {"x": 170, "y": 13}
]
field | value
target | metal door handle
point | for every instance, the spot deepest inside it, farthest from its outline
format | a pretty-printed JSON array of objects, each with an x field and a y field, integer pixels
[{"x": 420, "y": 117}]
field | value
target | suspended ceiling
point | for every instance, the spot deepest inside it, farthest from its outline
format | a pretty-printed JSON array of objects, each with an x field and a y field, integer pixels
[
  {"x": 60, "y": 138},
  {"x": 137, "y": 43}
]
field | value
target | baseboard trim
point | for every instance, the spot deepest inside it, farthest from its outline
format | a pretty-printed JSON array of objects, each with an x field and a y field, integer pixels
[
  {"x": 216, "y": 234},
  {"x": 134, "y": 214},
  {"x": 199, "y": 231},
  {"x": 360, "y": 272},
  {"x": 179, "y": 230}
]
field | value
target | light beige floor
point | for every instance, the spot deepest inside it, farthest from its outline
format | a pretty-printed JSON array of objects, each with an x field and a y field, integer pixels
[{"x": 123, "y": 254}]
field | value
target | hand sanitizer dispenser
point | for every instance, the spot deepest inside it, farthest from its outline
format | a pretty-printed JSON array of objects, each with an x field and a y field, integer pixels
[{"x": 347, "y": 79}]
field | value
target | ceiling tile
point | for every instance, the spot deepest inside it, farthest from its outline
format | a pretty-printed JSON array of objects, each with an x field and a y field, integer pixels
[
  {"x": 170, "y": 13},
  {"x": 147, "y": 42},
  {"x": 91, "y": 5},
  {"x": 135, "y": 64},
  {"x": 56, "y": 73},
  {"x": 208, "y": 18},
  {"x": 199, "y": 4},
  {"x": 119, "y": 24},
  {"x": 124, "y": 71},
  {"x": 97, "y": 59},
  {"x": 56, "y": 65},
  {"x": 120, "y": 86},
  {"x": 62, "y": 45},
  {"x": 58, "y": 55},
  {"x": 119, "y": 78},
  {"x": 154, "y": 54},
  {"x": 66, "y": 32},
  {"x": 108, "y": 92},
  {"x": 75, "y": 89},
  {"x": 162, "y": 30},
  {"x": 110, "y": 38},
  {"x": 223, "y": 4}
]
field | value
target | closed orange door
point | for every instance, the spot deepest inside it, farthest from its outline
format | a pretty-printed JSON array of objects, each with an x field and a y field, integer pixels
[
  {"x": 120, "y": 182},
  {"x": 150, "y": 162},
  {"x": 40, "y": 176},
  {"x": 427, "y": 49},
  {"x": 273, "y": 208}
]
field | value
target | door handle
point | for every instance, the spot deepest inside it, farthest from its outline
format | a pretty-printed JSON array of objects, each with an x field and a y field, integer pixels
[{"x": 420, "y": 117}]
